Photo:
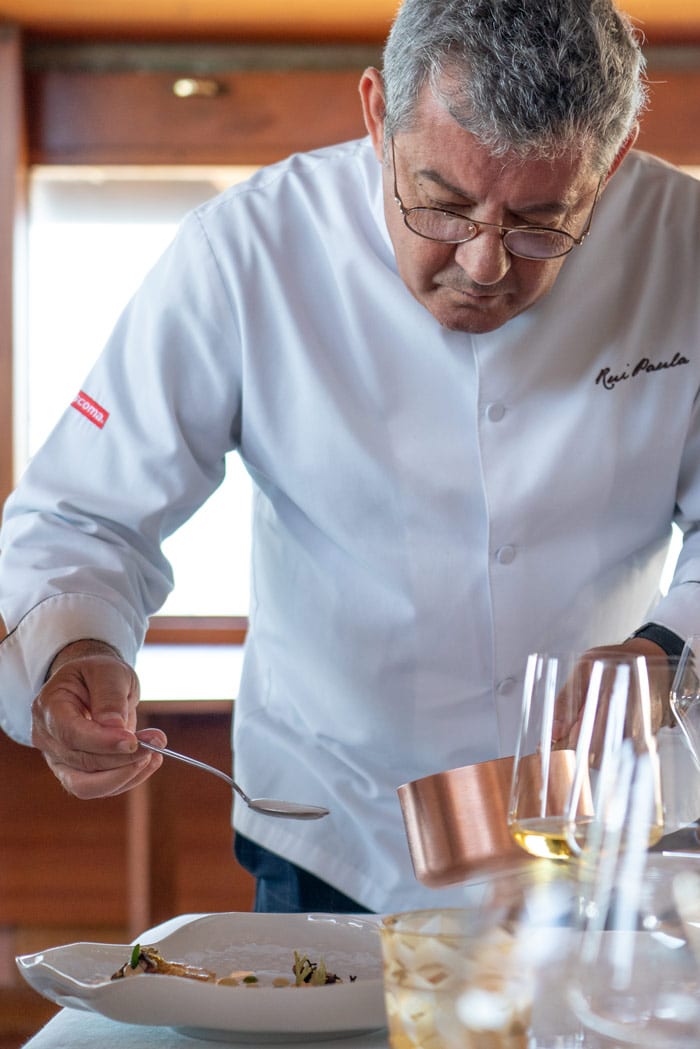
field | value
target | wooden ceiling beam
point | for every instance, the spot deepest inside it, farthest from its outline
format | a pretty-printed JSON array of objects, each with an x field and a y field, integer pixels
[{"x": 662, "y": 21}]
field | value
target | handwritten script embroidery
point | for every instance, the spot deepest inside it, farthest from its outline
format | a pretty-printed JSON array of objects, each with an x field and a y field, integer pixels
[{"x": 609, "y": 379}]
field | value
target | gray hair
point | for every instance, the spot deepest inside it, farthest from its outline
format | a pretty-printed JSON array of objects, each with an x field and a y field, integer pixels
[{"x": 525, "y": 77}]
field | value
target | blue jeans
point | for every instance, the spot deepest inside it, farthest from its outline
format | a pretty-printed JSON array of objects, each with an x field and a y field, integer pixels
[{"x": 282, "y": 887}]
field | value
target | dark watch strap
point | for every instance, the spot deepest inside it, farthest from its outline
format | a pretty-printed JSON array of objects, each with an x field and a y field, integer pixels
[{"x": 671, "y": 643}]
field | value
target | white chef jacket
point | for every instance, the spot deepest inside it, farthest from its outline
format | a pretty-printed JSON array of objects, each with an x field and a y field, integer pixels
[{"x": 429, "y": 505}]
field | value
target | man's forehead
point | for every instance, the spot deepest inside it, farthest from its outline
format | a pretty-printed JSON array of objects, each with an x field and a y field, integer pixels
[
  {"x": 437, "y": 145},
  {"x": 526, "y": 194},
  {"x": 459, "y": 165}
]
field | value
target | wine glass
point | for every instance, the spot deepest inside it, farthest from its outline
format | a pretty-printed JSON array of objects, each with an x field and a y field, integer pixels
[
  {"x": 685, "y": 695},
  {"x": 635, "y": 977},
  {"x": 577, "y": 710},
  {"x": 680, "y": 743}
]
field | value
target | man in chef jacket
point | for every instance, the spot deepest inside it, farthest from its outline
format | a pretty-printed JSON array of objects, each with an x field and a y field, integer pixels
[{"x": 460, "y": 360}]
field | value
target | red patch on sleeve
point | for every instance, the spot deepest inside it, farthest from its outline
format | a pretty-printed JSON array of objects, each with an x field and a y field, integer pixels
[{"x": 90, "y": 409}]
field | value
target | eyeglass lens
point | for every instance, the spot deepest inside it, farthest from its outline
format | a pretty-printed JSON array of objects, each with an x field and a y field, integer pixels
[{"x": 447, "y": 227}]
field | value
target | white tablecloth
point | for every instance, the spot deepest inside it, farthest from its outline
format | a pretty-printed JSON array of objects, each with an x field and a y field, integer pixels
[{"x": 75, "y": 1029}]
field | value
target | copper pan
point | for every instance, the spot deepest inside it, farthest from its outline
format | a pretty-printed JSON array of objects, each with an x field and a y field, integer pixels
[{"x": 457, "y": 821}]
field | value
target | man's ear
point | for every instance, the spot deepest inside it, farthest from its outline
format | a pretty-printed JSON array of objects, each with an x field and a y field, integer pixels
[
  {"x": 623, "y": 151},
  {"x": 373, "y": 108}
]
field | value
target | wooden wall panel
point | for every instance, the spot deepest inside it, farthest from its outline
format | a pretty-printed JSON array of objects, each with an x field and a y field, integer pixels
[
  {"x": 65, "y": 862},
  {"x": 12, "y": 205},
  {"x": 122, "y": 118},
  {"x": 281, "y": 19},
  {"x": 75, "y": 870},
  {"x": 191, "y": 837},
  {"x": 90, "y": 117},
  {"x": 671, "y": 125}
]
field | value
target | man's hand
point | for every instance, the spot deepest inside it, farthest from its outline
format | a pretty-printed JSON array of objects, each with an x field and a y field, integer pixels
[
  {"x": 84, "y": 722},
  {"x": 660, "y": 672}
]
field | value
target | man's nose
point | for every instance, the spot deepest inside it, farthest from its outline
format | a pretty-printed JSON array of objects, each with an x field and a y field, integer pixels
[{"x": 485, "y": 258}]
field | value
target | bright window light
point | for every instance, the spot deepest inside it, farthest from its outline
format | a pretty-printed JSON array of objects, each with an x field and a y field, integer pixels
[{"x": 93, "y": 234}]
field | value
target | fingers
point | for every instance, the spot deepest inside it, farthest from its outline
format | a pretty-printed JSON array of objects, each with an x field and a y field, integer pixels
[
  {"x": 88, "y": 705},
  {"x": 660, "y": 668},
  {"x": 156, "y": 736},
  {"x": 566, "y": 718},
  {"x": 107, "y": 782},
  {"x": 84, "y": 722},
  {"x": 590, "y": 702}
]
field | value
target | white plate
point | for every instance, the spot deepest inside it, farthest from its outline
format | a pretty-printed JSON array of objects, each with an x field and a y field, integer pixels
[{"x": 78, "y": 976}]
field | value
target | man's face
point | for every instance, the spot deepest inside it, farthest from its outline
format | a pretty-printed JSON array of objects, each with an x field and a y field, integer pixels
[{"x": 477, "y": 286}]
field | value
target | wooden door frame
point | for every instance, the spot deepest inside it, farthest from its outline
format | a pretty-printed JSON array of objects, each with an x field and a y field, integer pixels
[{"x": 13, "y": 203}]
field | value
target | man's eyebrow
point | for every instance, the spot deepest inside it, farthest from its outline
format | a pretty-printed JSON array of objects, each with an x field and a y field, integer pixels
[{"x": 553, "y": 207}]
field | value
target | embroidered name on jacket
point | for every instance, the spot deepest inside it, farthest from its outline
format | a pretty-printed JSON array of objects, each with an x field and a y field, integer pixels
[
  {"x": 609, "y": 379},
  {"x": 90, "y": 409}
]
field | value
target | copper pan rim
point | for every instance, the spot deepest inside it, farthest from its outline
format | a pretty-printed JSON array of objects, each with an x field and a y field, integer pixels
[{"x": 457, "y": 822}]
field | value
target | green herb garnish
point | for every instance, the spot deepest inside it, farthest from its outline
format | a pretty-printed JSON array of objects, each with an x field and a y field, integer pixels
[{"x": 135, "y": 955}]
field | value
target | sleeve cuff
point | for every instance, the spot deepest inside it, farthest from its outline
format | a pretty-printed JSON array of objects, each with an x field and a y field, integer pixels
[
  {"x": 671, "y": 643},
  {"x": 27, "y": 652}
]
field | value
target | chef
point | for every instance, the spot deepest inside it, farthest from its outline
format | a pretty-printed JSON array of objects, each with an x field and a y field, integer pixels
[{"x": 460, "y": 360}]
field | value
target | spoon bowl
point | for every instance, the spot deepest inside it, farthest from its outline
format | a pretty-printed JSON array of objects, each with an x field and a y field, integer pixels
[{"x": 287, "y": 810}]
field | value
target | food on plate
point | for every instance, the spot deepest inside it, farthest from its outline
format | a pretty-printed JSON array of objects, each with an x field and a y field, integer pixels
[
  {"x": 308, "y": 973},
  {"x": 150, "y": 960},
  {"x": 233, "y": 979}
]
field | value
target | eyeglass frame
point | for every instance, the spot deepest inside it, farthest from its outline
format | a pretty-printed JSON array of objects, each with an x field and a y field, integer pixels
[{"x": 576, "y": 242}]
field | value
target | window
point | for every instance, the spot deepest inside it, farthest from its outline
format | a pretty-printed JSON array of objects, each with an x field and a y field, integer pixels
[{"x": 93, "y": 234}]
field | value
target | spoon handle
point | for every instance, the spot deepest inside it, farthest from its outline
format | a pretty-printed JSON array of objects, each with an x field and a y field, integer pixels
[{"x": 197, "y": 764}]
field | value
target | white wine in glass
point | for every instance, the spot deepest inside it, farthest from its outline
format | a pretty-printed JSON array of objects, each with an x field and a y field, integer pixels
[
  {"x": 577, "y": 710},
  {"x": 550, "y": 837}
]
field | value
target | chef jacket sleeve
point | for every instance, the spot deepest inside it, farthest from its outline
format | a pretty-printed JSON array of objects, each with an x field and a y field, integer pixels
[{"x": 125, "y": 466}]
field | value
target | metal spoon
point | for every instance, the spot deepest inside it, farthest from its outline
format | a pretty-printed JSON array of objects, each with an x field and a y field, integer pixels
[{"x": 288, "y": 810}]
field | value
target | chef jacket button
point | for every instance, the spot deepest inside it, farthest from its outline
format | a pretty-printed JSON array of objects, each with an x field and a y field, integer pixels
[
  {"x": 495, "y": 412},
  {"x": 506, "y": 686},
  {"x": 505, "y": 555}
]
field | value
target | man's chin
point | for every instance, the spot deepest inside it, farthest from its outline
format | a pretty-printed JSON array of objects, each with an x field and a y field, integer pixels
[{"x": 469, "y": 317}]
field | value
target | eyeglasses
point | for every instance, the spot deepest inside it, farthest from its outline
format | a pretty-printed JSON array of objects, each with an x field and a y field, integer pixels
[{"x": 527, "y": 242}]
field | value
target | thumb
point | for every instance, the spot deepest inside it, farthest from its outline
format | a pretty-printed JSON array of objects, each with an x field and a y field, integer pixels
[{"x": 113, "y": 688}]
